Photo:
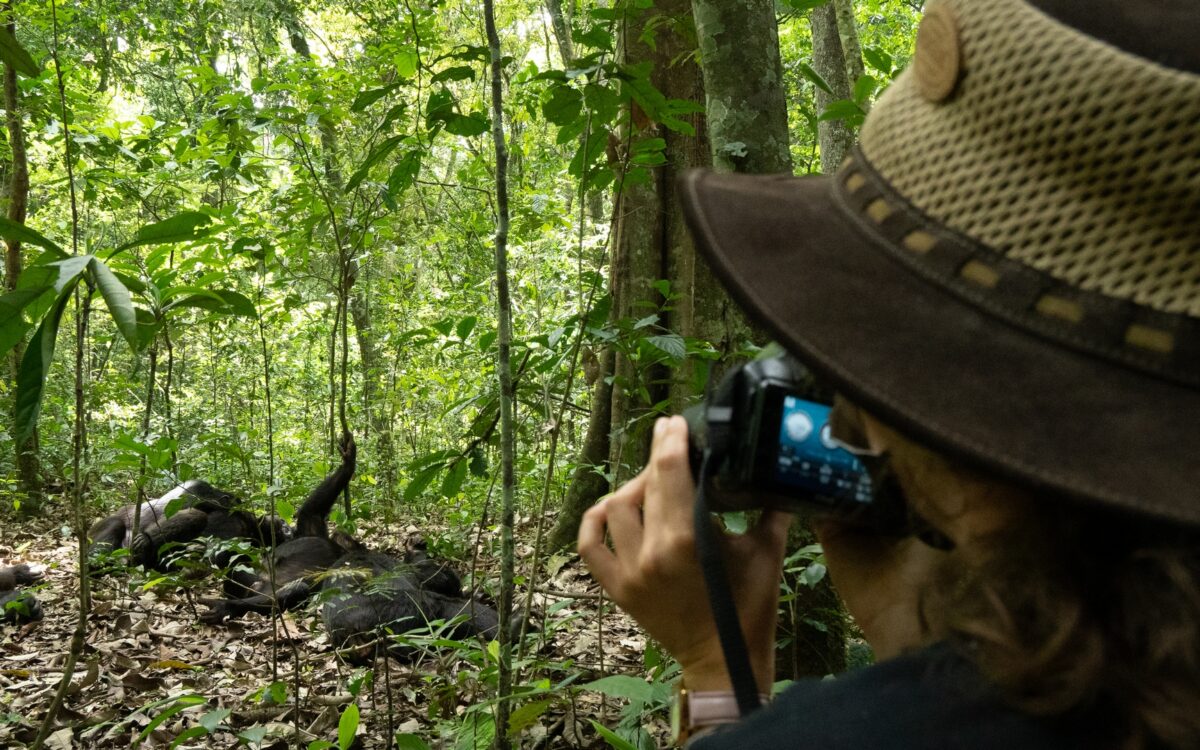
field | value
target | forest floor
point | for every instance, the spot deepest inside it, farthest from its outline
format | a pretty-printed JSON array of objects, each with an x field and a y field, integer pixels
[{"x": 151, "y": 676}]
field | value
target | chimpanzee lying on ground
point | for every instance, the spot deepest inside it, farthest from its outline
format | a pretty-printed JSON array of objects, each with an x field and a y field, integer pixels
[
  {"x": 311, "y": 550},
  {"x": 18, "y": 606},
  {"x": 200, "y": 510},
  {"x": 372, "y": 595}
]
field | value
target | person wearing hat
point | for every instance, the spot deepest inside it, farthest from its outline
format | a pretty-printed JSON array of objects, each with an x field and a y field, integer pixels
[{"x": 1002, "y": 283}]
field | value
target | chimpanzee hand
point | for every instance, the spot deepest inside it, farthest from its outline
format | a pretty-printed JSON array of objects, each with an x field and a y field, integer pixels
[
  {"x": 218, "y": 610},
  {"x": 348, "y": 448}
]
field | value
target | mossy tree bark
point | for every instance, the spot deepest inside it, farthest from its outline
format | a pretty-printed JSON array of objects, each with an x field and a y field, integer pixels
[{"x": 829, "y": 61}]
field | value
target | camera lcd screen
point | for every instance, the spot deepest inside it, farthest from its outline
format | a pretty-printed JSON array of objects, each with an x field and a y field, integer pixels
[{"x": 808, "y": 461}]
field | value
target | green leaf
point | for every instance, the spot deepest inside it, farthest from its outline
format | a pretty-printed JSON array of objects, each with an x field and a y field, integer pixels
[
  {"x": 486, "y": 339},
  {"x": 623, "y": 686},
  {"x": 15, "y": 56},
  {"x": 14, "y": 232},
  {"x": 378, "y": 154},
  {"x": 347, "y": 727},
  {"x": 370, "y": 96},
  {"x": 815, "y": 77},
  {"x": 182, "y": 703},
  {"x": 420, "y": 482},
  {"x": 179, "y": 228},
  {"x": 611, "y": 737},
  {"x": 456, "y": 73},
  {"x": 404, "y": 741},
  {"x": 842, "y": 109},
  {"x": 804, "y": 6},
  {"x": 116, "y": 297},
  {"x": 12, "y": 326},
  {"x": 670, "y": 344},
  {"x": 35, "y": 365},
  {"x": 454, "y": 478},
  {"x": 190, "y": 733},
  {"x": 813, "y": 574},
  {"x": 467, "y": 125},
  {"x": 404, "y": 174},
  {"x": 525, "y": 716},
  {"x": 563, "y": 106},
  {"x": 214, "y": 719},
  {"x": 878, "y": 59},
  {"x": 238, "y": 304},
  {"x": 863, "y": 88},
  {"x": 465, "y": 326}
]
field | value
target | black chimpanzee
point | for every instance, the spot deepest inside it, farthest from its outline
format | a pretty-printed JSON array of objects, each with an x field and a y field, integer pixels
[
  {"x": 311, "y": 550},
  {"x": 199, "y": 510},
  {"x": 18, "y": 606},
  {"x": 372, "y": 595}
]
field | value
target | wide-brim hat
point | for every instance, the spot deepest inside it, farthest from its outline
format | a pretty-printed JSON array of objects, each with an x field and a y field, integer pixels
[{"x": 1008, "y": 265}]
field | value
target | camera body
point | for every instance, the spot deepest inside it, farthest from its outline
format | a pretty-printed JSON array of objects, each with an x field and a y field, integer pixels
[{"x": 766, "y": 428}]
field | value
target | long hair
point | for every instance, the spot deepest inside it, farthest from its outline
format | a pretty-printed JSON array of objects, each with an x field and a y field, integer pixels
[{"x": 1083, "y": 615}]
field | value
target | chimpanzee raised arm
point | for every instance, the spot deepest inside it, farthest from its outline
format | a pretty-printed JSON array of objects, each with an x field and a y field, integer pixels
[{"x": 312, "y": 550}]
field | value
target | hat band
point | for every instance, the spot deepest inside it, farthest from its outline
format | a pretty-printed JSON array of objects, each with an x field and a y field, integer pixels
[{"x": 1166, "y": 345}]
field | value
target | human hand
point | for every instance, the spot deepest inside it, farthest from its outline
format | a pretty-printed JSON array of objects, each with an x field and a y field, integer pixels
[{"x": 652, "y": 571}]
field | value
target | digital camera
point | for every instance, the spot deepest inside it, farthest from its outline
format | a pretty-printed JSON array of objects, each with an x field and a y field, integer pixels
[{"x": 766, "y": 427}]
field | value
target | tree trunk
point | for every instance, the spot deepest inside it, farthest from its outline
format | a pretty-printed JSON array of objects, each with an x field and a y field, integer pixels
[
  {"x": 378, "y": 416},
  {"x": 746, "y": 112},
  {"x": 27, "y": 453},
  {"x": 834, "y": 136},
  {"x": 747, "y": 123},
  {"x": 649, "y": 243},
  {"x": 848, "y": 34},
  {"x": 588, "y": 482}
]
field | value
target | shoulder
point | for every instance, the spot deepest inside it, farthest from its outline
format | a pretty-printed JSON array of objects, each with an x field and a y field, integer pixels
[{"x": 931, "y": 700}]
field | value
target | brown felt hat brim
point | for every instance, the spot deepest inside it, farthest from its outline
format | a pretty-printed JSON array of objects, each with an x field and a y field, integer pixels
[{"x": 944, "y": 371}]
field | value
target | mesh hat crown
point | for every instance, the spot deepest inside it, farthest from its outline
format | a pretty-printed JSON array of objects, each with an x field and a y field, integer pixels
[{"x": 1009, "y": 264}]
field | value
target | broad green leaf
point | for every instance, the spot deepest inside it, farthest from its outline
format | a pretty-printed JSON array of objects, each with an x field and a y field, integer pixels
[
  {"x": 528, "y": 714},
  {"x": 190, "y": 733},
  {"x": 35, "y": 365},
  {"x": 804, "y": 6},
  {"x": 420, "y": 482},
  {"x": 878, "y": 59},
  {"x": 815, "y": 77},
  {"x": 670, "y": 344},
  {"x": 116, "y": 297},
  {"x": 404, "y": 174},
  {"x": 611, "y": 737},
  {"x": 563, "y": 106},
  {"x": 370, "y": 96},
  {"x": 864, "y": 87},
  {"x": 238, "y": 304},
  {"x": 68, "y": 271},
  {"x": 623, "y": 686},
  {"x": 409, "y": 742},
  {"x": 465, "y": 326},
  {"x": 467, "y": 125},
  {"x": 842, "y": 109},
  {"x": 348, "y": 727},
  {"x": 15, "y": 56},
  {"x": 181, "y": 227},
  {"x": 12, "y": 326},
  {"x": 454, "y": 478},
  {"x": 14, "y": 232},
  {"x": 456, "y": 73},
  {"x": 378, "y": 154}
]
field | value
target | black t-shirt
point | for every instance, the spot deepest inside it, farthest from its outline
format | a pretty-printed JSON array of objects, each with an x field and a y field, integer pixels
[{"x": 929, "y": 700}]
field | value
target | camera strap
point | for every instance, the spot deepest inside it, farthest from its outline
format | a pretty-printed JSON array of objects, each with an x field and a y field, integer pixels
[{"x": 720, "y": 600}]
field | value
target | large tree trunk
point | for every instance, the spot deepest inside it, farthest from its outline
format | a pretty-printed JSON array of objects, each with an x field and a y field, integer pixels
[
  {"x": 649, "y": 243},
  {"x": 747, "y": 123},
  {"x": 848, "y": 34},
  {"x": 834, "y": 136},
  {"x": 28, "y": 463}
]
